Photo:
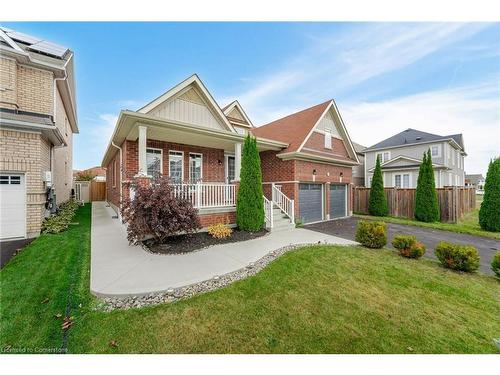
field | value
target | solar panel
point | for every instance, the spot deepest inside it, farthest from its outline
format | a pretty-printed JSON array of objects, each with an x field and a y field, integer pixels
[
  {"x": 49, "y": 48},
  {"x": 23, "y": 38}
]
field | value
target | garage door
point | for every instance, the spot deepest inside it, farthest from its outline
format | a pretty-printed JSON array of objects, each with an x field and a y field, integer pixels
[
  {"x": 12, "y": 206},
  {"x": 337, "y": 201},
  {"x": 310, "y": 202}
]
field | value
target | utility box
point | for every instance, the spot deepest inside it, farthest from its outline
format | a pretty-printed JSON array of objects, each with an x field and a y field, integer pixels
[{"x": 47, "y": 178}]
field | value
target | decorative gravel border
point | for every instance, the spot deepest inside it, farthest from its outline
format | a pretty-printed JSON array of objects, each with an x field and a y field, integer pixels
[{"x": 217, "y": 282}]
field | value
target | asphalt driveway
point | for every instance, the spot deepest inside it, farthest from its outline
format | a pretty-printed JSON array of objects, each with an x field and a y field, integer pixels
[{"x": 346, "y": 228}]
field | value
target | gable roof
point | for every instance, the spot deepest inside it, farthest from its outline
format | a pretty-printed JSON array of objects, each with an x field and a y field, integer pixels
[
  {"x": 233, "y": 107},
  {"x": 196, "y": 82},
  {"x": 293, "y": 129},
  {"x": 413, "y": 136}
]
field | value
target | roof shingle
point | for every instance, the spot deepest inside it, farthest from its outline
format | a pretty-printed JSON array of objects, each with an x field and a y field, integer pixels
[{"x": 294, "y": 128}]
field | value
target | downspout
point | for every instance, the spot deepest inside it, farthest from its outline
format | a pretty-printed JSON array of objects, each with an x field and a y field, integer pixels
[
  {"x": 54, "y": 115},
  {"x": 121, "y": 173}
]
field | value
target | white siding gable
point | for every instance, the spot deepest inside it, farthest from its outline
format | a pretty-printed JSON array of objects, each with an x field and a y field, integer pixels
[
  {"x": 328, "y": 123},
  {"x": 190, "y": 108},
  {"x": 236, "y": 114}
]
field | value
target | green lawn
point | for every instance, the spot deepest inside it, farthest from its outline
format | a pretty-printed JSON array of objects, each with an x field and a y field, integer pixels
[
  {"x": 320, "y": 299},
  {"x": 469, "y": 224}
]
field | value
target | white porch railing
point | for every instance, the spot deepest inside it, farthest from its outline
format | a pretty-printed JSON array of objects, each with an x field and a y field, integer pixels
[
  {"x": 206, "y": 195},
  {"x": 283, "y": 202},
  {"x": 268, "y": 212}
]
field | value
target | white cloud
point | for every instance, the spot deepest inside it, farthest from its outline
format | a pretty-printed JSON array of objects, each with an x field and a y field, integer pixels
[
  {"x": 473, "y": 111},
  {"x": 337, "y": 62}
]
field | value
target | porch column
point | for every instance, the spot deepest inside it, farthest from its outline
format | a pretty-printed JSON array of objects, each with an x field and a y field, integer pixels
[
  {"x": 143, "y": 168},
  {"x": 237, "y": 161}
]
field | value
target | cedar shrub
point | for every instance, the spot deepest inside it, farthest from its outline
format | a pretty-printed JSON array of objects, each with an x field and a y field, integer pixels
[
  {"x": 495, "y": 264},
  {"x": 249, "y": 203},
  {"x": 372, "y": 234},
  {"x": 426, "y": 200},
  {"x": 377, "y": 204},
  {"x": 489, "y": 213},
  {"x": 155, "y": 212},
  {"x": 457, "y": 257}
]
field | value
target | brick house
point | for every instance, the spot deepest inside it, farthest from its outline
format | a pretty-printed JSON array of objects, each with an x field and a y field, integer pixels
[
  {"x": 185, "y": 135},
  {"x": 37, "y": 123}
]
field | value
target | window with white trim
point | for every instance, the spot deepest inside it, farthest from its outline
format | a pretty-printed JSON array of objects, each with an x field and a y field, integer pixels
[
  {"x": 397, "y": 180},
  {"x": 175, "y": 166},
  {"x": 436, "y": 151},
  {"x": 402, "y": 180},
  {"x": 195, "y": 167},
  {"x": 154, "y": 161},
  {"x": 384, "y": 156},
  {"x": 406, "y": 181}
]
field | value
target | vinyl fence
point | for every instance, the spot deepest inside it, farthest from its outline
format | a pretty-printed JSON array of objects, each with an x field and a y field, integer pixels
[{"x": 454, "y": 202}]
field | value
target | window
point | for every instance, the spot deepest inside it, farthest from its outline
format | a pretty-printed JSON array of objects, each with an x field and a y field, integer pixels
[
  {"x": 175, "y": 167},
  {"x": 397, "y": 180},
  {"x": 195, "y": 167},
  {"x": 384, "y": 156},
  {"x": 240, "y": 130},
  {"x": 154, "y": 161},
  {"x": 328, "y": 138},
  {"x": 402, "y": 181},
  {"x": 230, "y": 169},
  {"x": 435, "y": 151}
]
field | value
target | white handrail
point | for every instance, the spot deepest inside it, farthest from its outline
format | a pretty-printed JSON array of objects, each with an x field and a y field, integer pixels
[
  {"x": 206, "y": 195},
  {"x": 284, "y": 203},
  {"x": 268, "y": 211}
]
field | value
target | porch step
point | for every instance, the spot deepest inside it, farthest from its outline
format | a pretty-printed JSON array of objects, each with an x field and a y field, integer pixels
[{"x": 281, "y": 221}]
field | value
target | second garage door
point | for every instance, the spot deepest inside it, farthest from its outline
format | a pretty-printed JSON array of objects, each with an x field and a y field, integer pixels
[
  {"x": 337, "y": 201},
  {"x": 310, "y": 202}
]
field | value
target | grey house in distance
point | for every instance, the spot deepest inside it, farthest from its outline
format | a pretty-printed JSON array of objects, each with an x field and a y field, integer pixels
[{"x": 402, "y": 154}]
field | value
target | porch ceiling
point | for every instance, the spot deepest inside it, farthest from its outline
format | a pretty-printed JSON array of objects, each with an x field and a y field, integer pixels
[{"x": 178, "y": 132}]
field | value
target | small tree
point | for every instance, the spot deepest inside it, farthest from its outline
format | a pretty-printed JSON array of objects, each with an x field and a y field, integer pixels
[
  {"x": 377, "y": 204},
  {"x": 426, "y": 200},
  {"x": 489, "y": 213},
  {"x": 85, "y": 176},
  {"x": 249, "y": 204},
  {"x": 155, "y": 211}
]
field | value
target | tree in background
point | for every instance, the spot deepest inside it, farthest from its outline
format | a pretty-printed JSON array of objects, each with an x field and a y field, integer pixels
[
  {"x": 377, "y": 204},
  {"x": 85, "y": 176},
  {"x": 426, "y": 201},
  {"x": 489, "y": 213},
  {"x": 250, "y": 204}
]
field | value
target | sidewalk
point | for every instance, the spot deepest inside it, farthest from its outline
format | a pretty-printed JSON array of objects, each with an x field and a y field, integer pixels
[{"x": 118, "y": 269}]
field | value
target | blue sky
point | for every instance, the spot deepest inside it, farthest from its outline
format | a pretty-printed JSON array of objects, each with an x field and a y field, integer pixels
[{"x": 386, "y": 77}]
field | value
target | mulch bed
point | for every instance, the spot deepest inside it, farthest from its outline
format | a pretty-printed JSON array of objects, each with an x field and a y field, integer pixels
[{"x": 186, "y": 243}]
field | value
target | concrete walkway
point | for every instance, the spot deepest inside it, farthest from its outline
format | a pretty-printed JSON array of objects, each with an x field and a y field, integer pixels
[{"x": 119, "y": 270}]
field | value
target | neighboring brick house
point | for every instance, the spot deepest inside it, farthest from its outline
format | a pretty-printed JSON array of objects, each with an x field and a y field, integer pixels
[
  {"x": 37, "y": 123},
  {"x": 99, "y": 173},
  {"x": 185, "y": 135}
]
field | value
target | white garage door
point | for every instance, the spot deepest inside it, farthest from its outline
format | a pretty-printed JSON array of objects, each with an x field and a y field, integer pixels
[{"x": 12, "y": 206}]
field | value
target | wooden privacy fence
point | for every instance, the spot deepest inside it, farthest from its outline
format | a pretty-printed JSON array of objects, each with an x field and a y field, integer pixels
[
  {"x": 97, "y": 191},
  {"x": 454, "y": 202}
]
